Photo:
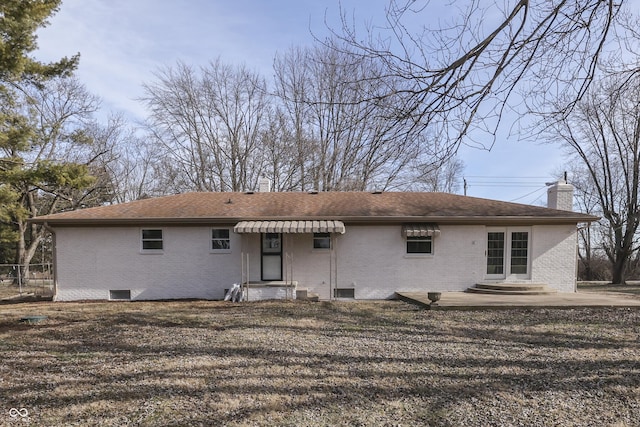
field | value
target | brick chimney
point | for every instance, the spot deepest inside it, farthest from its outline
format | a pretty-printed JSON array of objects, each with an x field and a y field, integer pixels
[
  {"x": 264, "y": 185},
  {"x": 560, "y": 196}
]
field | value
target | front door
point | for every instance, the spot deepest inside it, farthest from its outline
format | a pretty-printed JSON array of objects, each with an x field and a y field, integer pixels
[
  {"x": 271, "y": 256},
  {"x": 508, "y": 253}
]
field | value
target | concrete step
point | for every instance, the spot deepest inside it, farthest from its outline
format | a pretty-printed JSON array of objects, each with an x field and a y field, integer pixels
[
  {"x": 521, "y": 286},
  {"x": 304, "y": 294},
  {"x": 511, "y": 289}
]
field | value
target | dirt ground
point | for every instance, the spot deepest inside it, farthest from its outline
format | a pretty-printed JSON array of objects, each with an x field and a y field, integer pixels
[{"x": 325, "y": 364}]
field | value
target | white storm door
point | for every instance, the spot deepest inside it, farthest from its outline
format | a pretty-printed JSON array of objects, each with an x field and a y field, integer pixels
[{"x": 271, "y": 256}]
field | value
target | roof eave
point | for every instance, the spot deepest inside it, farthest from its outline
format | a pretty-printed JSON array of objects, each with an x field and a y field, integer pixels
[{"x": 457, "y": 220}]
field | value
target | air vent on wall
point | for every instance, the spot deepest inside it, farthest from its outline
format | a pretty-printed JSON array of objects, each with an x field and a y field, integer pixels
[{"x": 120, "y": 295}]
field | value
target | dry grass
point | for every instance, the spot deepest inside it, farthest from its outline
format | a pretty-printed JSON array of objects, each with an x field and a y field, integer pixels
[
  {"x": 43, "y": 288},
  {"x": 632, "y": 287},
  {"x": 326, "y": 364}
]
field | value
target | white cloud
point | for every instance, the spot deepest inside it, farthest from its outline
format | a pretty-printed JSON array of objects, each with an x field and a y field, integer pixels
[{"x": 123, "y": 41}]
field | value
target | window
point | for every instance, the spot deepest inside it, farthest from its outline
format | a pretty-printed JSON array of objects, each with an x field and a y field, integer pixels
[
  {"x": 419, "y": 245},
  {"x": 344, "y": 293},
  {"x": 220, "y": 241},
  {"x": 321, "y": 240},
  {"x": 152, "y": 240},
  {"x": 271, "y": 243},
  {"x": 495, "y": 252},
  {"x": 519, "y": 252},
  {"x": 120, "y": 295}
]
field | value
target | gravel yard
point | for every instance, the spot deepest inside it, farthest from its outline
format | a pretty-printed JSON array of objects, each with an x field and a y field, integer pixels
[{"x": 308, "y": 364}]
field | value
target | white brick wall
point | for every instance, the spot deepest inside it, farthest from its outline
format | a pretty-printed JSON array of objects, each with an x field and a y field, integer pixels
[
  {"x": 560, "y": 196},
  {"x": 373, "y": 260},
  {"x": 92, "y": 261},
  {"x": 554, "y": 256},
  {"x": 370, "y": 259}
]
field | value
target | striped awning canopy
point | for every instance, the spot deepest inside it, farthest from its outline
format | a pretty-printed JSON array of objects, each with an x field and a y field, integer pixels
[
  {"x": 321, "y": 226},
  {"x": 420, "y": 230}
]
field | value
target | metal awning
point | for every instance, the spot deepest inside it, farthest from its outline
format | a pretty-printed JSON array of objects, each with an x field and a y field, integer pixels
[
  {"x": 321, "y": 226},
  {"x": 420, "y": 230}
]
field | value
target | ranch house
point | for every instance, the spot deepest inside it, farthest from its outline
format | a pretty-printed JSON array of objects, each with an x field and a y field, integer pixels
[{"x": 325, "y": 245}]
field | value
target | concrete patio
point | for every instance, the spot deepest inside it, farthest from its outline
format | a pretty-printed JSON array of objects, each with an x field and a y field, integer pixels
[{"x": 471, "y": 301}]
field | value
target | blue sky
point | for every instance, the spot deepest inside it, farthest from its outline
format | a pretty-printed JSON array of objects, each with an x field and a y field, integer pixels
[{"x": 122, "y": 42}]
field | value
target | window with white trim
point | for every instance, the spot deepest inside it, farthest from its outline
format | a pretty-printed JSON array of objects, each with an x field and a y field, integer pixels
[
  {"x": 220, "y": 240},
  {"x": 321, "y": 240},
  {"x": 152, "y": 240},
  {"x": 419, "y": 245}
]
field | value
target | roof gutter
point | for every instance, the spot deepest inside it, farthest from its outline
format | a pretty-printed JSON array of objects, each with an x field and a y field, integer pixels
[{"x": 459, "y": 220}]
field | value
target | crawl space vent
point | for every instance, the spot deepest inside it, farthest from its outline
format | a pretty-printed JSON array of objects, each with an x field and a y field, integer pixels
[{"x": 120, "y": 295}]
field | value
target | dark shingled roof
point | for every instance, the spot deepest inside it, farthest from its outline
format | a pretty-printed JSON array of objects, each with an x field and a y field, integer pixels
[{"x": 345, "y": 206}]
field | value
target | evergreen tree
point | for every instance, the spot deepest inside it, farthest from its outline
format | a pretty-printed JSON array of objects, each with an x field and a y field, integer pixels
[{"x": 24, "y": 178}]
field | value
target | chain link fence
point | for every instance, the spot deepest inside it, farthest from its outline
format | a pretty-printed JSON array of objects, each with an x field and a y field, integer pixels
[{"x": 16, "y": 279}]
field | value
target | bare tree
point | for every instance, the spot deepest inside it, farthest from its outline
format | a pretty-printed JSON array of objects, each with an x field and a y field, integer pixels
[
  {"x": 343, "y": 142},
  {"x": 282, "y": 153},
  {"x": 50, "y": 172},
  {"x": 435, "y": 174},
  {"x": 291, "y": 82},
  {"x": 208, "y": 124},
  {"x": 121, "y": 160},
  {"x": 132, "y": 172},
  {"x": 603, "y": 134},
  {"x": 465, "y": 74},
  {"x": 591, "y": 255}
]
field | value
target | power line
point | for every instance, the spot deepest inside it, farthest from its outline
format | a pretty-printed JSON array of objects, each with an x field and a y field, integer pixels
[
  {"x": 528, "y": 194},
  {"x": 506, "y": 184},
  {"x": 506, "y": 181},
  {"x": 538, "y": 183},
  {"x": 507, "y": 177}
]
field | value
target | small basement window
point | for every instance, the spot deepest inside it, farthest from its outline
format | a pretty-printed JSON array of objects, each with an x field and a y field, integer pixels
[
  {"x": 344, "y": 293},
  {"x": 321, "y": 240},
  {"x": 152, "y": 240},
  {"x": 120, "y": 295}
]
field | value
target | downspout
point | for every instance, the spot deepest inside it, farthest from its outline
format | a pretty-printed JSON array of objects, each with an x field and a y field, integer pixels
[
  {"x": 54, "y": 258},
  {"x": 334, "y": 249},
  {"x": 245, "y": 261},
  {"x": 575, "y": 279},
  {"x": 331, "y": 274}
]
